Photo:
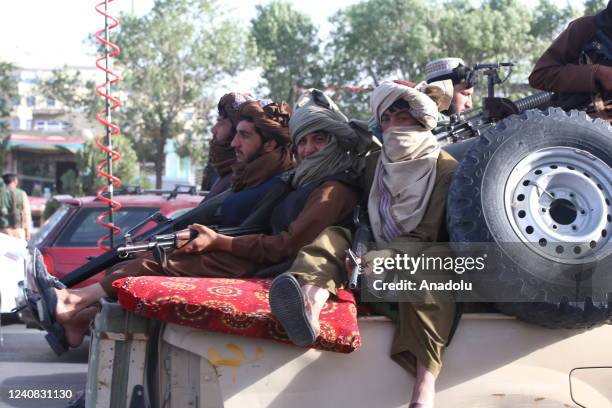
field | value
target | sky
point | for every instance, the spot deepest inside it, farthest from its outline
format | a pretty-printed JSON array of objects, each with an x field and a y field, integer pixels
[{"x": 52, "y": 33}]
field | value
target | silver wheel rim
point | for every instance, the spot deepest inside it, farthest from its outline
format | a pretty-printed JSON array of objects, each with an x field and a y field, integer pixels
[{"x": 557, "y": 199}]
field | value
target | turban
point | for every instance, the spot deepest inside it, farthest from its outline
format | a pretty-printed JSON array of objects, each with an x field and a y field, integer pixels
[
  {"x": 271, "y": 120},
  {"x": 315, "y": 112},
  {"x": 229, "y": 105},
  {"x": 420, "y": 97}
]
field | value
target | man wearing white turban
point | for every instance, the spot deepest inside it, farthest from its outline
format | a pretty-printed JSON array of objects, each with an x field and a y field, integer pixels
[{"x": 407, "y": 183}]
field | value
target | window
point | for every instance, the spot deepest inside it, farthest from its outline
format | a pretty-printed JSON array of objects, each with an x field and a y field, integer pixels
[
  {"x": 50, "y": 102},
  {"x": 84, "y": 231},
  {"x": 29, "y": 124},
  {"x": 50, "y": 224},
  {"x": 15, "y": 122},
  {"x": 16, "y": 101},
  {"x": 40, "y": 125},
  {"x": 31, "y": 101}
]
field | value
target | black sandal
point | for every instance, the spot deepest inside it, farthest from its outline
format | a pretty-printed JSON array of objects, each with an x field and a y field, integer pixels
[
  {"x": 45, "y": 301},
  {"x": 287, "y": 304}
]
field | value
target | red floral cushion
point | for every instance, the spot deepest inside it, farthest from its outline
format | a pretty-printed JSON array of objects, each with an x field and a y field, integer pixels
[{"x": 234, "y": 306}]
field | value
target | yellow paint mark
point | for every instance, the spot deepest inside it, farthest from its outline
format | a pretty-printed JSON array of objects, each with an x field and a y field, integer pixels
[
  {"x": 259, "y": 354},
  {"x": 236, "y": 361},
  {"x": 237, "y": 351},
  {"x": 237, "y": 358}
]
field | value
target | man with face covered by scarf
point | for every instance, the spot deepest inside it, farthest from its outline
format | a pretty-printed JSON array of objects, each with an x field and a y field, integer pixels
[
  {"x": 322, "y": 196},
  {"x": 579, "y": 61},
  {"x": 263, "y": 141},
  {"x": 407, "y": 183}
]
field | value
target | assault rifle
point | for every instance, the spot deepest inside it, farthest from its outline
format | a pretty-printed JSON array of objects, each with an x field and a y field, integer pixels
[
  {"x": 361, "y": 238},
  {"x": 472, "y": 123},
  {"x": 206, "y": 213},
  {"x": 161, "y": 244}
]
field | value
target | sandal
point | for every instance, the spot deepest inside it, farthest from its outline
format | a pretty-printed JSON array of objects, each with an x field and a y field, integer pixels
[
  {"x": 45, "y": 303},
  {"x": 288, "y": 306}
]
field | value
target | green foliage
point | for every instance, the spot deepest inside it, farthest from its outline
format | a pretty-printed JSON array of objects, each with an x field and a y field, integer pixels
[
  {"x": 71, "y": 184},
  {"x": 592, "y": 7},
  {"x": 288, "y": 49},
  {"x": 89, "y": 182},
  {"x": 379, "y": 39},
  {"x": 50, "y": 207},
  {"x": 70, "y": 89},
  {"x": 171, "y": 60},
  {"x": 549, "y": 20},
  {"x": 8, "y": 91}
]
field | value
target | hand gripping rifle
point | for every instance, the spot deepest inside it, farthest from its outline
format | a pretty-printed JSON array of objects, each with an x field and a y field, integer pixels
[
  {"x": 359, "y": 247},
  {"x": 161, "y": 244},
  {"x": 206, "y": 213}
]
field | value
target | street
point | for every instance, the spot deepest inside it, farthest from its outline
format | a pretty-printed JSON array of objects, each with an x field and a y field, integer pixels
[{"x": 31, "y": 375}]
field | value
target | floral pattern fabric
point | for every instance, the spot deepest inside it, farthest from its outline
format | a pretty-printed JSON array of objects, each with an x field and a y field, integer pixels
[{"x": 232, "y": 306}]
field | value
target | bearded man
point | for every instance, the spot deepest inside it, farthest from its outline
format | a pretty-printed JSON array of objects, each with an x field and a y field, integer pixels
[
  {"x": 322, "y": 195},
  {"x": 407, "y": 183}
]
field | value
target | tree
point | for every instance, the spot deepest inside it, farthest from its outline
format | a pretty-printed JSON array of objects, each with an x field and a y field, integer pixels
[
  {"x": 592, "y": 7},
  {"x": 549, "y": 20},
  {"x": 72, "y": 92},
  {"x": 8, "y": 91},
  {"x": 171, "y": 60},
  {"x": 381, "y": 39},
  {"x": 88, "y": 182},
  {"x": 288, "y": 49}
]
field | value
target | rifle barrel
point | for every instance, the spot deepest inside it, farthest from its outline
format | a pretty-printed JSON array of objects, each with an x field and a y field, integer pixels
[{"x": 112, "y": 257}]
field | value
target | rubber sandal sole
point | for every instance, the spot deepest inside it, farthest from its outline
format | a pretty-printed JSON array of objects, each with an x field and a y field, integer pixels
[
  {"x": 46, "y": 302},
  {"x": 287, "y": 304}
]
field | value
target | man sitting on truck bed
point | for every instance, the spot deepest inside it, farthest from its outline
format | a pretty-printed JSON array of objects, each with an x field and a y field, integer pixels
[
  {"x": 464, "y": 82},
  {"x": 221, "y": 153},
  {"x": 325, "y": 192},
  {"x": 407, "y": 183}
]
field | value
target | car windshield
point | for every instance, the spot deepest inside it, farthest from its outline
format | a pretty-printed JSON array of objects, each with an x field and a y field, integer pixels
[
  {"x": 44, "y": 230},
  {"x": 84, "y": 231}
]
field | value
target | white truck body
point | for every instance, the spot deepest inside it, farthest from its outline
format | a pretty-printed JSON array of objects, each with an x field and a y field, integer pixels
[{"x": 494, "y": 361}]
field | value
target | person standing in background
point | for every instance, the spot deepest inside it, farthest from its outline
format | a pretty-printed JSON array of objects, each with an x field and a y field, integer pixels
[{"x": 15, "y": 214}]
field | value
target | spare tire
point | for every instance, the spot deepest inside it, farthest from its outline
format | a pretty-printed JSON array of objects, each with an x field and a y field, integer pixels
[{"x": 539, "y": 186}]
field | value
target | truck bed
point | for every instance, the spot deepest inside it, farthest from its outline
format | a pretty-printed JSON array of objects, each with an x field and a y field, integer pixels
[{"x": 493, "y": 361}]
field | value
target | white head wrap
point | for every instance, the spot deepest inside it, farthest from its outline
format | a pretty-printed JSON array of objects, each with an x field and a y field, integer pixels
[{"x": 422, "y": 106}]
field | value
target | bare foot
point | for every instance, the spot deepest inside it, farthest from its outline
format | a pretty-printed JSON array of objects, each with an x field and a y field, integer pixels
[
  {"x": 72, "y": 301},
  {"x": 64, "y": 311},
  {"x": 78, "y": 327},
  {"x": 314, "y": 299},
  {"x": 424, "y": 391}
]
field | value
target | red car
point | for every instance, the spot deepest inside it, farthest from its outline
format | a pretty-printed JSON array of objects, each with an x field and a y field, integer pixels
[{"x": 69, "y": 237}]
